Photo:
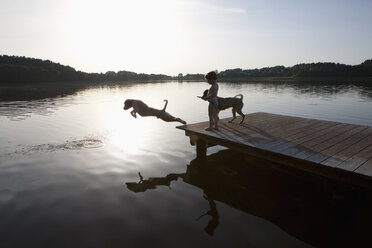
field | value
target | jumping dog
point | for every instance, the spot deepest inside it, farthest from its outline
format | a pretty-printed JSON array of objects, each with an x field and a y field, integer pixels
[{"x": 142, "y": 109}]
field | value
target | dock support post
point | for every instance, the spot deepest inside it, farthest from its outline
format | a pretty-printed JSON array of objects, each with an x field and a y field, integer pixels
[{"x": 201, "y": 149}]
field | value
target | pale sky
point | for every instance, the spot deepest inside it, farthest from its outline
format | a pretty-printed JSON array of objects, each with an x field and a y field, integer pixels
[{"x": 181, "y": 36}]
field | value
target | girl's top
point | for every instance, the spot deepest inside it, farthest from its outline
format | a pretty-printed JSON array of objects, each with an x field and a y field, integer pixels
[{"x": 212, "y": 94}]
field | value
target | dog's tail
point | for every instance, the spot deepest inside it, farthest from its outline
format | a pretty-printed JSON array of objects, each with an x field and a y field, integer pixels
[
  {"x": 241, "y": 96},
  {"x": 166, "y": 103}
]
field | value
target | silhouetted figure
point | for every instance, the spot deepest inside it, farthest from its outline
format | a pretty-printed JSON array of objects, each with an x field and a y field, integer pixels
[
  {"x": 143, "y": 110},
  {"x": 211, "y": 97},
  {"x": 213, "y": 223},
  {"x": 151, "y": 183}
]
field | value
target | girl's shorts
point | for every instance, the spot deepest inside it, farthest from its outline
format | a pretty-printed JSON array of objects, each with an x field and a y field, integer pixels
[{"x": 214, "y": 104}]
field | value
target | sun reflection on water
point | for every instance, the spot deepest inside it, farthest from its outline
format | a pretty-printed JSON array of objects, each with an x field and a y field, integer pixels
[{"x": 127, "y": 133}]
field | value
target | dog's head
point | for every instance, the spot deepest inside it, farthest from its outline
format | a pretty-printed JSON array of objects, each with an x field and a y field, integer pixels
[
  {"x": 136, "y": 187},
  {"x": 128, "y": 104},
  {"x": 204, "y": 96}
]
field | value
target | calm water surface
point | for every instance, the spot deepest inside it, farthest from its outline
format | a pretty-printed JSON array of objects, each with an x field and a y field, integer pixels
[{"x": 76, "y": 170}]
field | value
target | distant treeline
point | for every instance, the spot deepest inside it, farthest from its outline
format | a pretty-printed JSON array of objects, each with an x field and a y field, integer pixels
[
  {"x": 304, "y": 70},
  {"x": 14, "y": 69},
  {"x": 313, "y": 70}
]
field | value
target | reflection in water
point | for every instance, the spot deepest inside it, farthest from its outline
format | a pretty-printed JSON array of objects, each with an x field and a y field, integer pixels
[
  {"x": 19, "y": 102},
  {"x": 34, "y": 91},
  {"x": 213, "y": 223},
  {"x": 319, "y": 213},
  {"x": 153, "y": 182},
  {"x": 21, "y": 110}
]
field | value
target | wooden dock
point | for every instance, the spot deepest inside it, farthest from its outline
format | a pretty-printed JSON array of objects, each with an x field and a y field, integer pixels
[{"x": 337, "y": 151}]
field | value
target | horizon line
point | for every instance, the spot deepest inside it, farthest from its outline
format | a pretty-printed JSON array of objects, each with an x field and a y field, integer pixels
[{"x": 218, "y": 71}]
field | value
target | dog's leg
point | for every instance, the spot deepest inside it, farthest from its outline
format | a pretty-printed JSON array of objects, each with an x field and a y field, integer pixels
[
  {"x": 234, "y": 115},
  {"x": 239, "y": 110},
  {"x": 165, "y": 116},
  {"x": 141, "y": 178},
  {"x": 180, "y": 120},
  {"x": 242, "y": 115},
  {"x": 169, "y": 118},
  {"x": 133, "y": 113}
]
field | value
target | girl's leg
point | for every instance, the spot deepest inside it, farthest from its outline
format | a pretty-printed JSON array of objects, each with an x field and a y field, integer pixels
[
  {"x": 210, "y": 123},
  {"x": 215, "y": 119},
  {"x": 210, "y": 114}
]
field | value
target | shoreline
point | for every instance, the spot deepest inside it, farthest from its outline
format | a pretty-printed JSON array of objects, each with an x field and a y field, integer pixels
[{"x": 336, "y": 80}]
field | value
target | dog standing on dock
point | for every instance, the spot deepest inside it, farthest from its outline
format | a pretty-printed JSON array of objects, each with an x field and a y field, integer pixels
[
  {"x": 143, "y": 110},
  {"x": 236, "y": 103}
]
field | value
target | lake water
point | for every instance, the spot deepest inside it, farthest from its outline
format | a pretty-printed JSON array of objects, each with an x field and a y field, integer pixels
[{"x": 76, "y": 170}]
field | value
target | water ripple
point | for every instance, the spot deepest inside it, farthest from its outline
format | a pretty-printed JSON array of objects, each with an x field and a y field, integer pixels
[{"x": 75, "y": 144}]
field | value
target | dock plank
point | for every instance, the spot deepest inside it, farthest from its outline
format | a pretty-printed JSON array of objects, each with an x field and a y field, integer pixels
[
  {"x": 357, "y": 159},
  {"x": 350, "y": 138},
  {"x": 289, "y": 132},
  {"x": 297, "y": 144},
  {"x": 307, "y": 133},
  {"x": 348, "y": 152},
  {"x": 365, "y": 169},
  {"x": 257, "y": 133},
  {"x": 318, "y": 144}
]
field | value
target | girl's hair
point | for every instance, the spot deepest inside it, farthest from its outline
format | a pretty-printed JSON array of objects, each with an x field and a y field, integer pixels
[{"x": 212, "y": 75}]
